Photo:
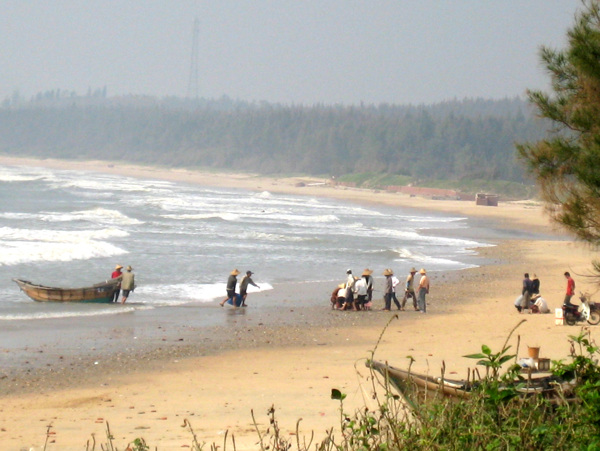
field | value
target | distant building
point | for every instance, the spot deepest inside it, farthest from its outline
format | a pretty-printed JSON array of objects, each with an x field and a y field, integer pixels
[{"x": 490, "y": 200}]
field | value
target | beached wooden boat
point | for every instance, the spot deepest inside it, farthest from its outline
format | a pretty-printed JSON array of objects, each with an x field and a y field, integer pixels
[
  {"x": 418, "y": 388},
  {"x": 99, "y": 293}
]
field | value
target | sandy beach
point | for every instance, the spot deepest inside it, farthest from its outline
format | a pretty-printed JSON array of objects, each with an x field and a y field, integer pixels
[{"x": 292, "y": 361}]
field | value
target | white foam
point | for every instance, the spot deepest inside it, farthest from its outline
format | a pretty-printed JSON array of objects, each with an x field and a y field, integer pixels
[
  {"x": 18, "y": 174},
  {"x": 17, "y": 252},
  {"x": 184, "y": 293},
  {"x": 202, "y": 216},
  {"x": 98, "y": 215},
  {"x": 118, "y": 309},
  {"x": 30, "y": 245},
  {"x": 60, "y": 236}
]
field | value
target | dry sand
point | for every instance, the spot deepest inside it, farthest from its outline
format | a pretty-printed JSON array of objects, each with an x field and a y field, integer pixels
[{"x": 296, "y": 371}]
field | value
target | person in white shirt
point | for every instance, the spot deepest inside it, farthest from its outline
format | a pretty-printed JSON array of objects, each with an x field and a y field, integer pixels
[
  {"x": 360, "y": 290},
  {"x": 395, "y": 283},
  {"x": 540, "y": 304}
]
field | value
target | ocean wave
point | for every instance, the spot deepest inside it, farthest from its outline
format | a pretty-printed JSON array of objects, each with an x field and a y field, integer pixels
[
  {"x": 84, "y": 180},
  {"x": 116, "y": 310},
  {"x": 297, "y": 218},
  {"x": 184, "y": 293},
  {"x": 431, "y": 219},
  {"x": 59, "y": 236},
  {"x": 262, "y": 236},
  {"x": 97, "y": 215},
  {"x": 18, "y": 252},
  {"x": 203, "y": 216},
  {"x": 12, "y": 174}
]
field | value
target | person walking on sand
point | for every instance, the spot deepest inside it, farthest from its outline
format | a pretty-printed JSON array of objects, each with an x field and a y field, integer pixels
[
  {"x": 246, "y": 280},
  {"x": 570, "y": 289},
  {"x": 231, "y": 283},
  {"x": 127, "y": 284},
  {"x": 409, "y": 289},
  {"x": 423, "y": 291},
  {"x": 116, "y": 274}
]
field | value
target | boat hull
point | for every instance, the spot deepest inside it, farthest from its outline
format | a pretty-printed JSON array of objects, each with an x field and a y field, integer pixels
[
  {"x": 418, "y": 389},
  {"x": 101, "y": 293}
]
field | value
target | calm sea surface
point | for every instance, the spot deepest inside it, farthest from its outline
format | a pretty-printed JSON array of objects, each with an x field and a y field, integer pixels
[{"x": 69, "y": 228}]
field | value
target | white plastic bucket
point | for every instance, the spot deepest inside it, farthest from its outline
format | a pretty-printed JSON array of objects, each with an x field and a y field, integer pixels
[{"x": 558, "y": 317}]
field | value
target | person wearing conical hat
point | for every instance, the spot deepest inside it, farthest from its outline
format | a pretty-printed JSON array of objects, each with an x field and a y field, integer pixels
[
  {"x": 116, "y": 274},
  {"x": 409, "y": 289},
  {"x": 388, "y": 291},
  {"x": 231, "y": 283},
  {"x": 423, "y": 290}
]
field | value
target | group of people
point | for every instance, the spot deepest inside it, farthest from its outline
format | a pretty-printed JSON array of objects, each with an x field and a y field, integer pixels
[
  {"x": 357, "y": 293},
  {"x": 531, "y": 298},
  {"x": 126, "y": 282},
  {"x": 354, "y": 293},
  {"x": 238, "y": 299}
]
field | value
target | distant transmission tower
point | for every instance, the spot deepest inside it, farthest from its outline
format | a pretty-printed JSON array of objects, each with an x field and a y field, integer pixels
[{"x": 192, "y": 90}]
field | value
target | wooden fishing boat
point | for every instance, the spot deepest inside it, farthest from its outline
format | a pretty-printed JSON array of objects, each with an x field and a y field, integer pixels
[
  {"x": 418, "y": 388},
  {"x": 99, "y": 293}
]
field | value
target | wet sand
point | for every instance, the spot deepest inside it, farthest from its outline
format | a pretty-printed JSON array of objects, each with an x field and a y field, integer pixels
[{"x": 276, "y": 354}]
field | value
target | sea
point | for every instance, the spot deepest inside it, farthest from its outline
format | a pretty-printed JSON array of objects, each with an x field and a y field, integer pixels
[{"x": 69, "y": 228}]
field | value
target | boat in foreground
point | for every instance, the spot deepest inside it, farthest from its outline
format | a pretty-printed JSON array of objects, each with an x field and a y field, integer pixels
[
  {"x": 419, "y": 388},
  {"x": 99, "y": 293}
]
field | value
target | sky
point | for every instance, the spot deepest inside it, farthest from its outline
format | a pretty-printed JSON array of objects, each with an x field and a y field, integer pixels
[{"x": 283, "y": 51}]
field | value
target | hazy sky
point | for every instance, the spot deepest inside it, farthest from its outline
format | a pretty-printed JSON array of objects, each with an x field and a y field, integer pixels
[{"x": 288, "y": 51}]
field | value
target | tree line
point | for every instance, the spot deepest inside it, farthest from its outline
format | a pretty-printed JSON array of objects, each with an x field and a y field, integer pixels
[{"x": 472, "y": 138}]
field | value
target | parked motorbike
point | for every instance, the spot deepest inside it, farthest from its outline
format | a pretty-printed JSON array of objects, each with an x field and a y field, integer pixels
[{"x": 587, "y": 311}]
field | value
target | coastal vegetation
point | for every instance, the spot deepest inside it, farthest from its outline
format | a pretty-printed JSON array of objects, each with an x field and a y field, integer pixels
[
  {"x": 493, "y": 418},
  {"x": 468, "y": 144},
  {"x": 566, "y": 165}
]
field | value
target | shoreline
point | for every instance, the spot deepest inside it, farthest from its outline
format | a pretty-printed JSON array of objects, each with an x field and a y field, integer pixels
[
  {"x": 507, "y": 214},
  {"x": 288, "y": 357}
]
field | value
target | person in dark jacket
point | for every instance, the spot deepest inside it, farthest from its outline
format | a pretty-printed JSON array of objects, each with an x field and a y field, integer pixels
[
  {"x": 231, "y": 283},
  {"x": 246, "y": 280},
  {"x": 535, "y": 285}
]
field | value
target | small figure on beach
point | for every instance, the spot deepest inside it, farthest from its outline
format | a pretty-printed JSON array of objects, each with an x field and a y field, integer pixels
[
  {"x": 230, "y": 288},
  {"x": 395, "y": 283},
  {"x": 340, "y": 298},
  {"x": 388, "y": 290},
  {"x": 535, "y": 285},
  {"x": 127, "y": 283},
  {"x": 525, "y": 294},
  {"x": 360, "y": 291},
  {"x": 570, "y": 289},
  {"x": 423, "y": 291},
  {"x": 350, "y": 281},
  {"x": 246, "y": 280},
  {"x": 369, "y": 280},
  {"x": 409, "y": 289},
  {"x": 539, "y": 304},
  {"x": 116, "y": 274}
]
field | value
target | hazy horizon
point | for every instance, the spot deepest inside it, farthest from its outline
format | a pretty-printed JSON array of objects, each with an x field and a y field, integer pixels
[{"x": 288, "y": 52}]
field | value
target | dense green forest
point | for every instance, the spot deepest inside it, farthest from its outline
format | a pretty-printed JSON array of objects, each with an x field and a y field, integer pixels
[{"x": 468, "y": 139}]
